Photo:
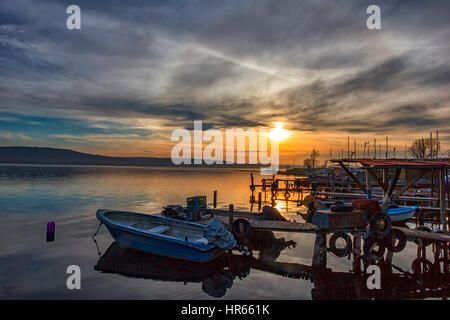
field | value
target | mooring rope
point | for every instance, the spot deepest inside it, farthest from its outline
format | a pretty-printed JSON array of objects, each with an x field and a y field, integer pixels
[{"x": 97, "y": 230}]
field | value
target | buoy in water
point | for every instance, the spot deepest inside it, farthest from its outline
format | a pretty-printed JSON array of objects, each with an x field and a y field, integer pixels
[{"x": 50, "y": 231}]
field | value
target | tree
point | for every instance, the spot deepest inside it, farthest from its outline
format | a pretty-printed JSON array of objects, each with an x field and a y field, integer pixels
[
  {"x": 307, "y": 163},
  {"x": 425, "y": 148},
  {"x": 314, "y": 157}
]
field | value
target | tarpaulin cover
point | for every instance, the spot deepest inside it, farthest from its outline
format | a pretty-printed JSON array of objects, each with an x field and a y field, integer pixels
[{"x": 217, "y": 233}]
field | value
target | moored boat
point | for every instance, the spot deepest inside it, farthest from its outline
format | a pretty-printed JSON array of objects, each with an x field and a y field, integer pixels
[
  {"x": 401, "y": 213},
  {"x": 160, "y": 235},
  {"x": 396, "y": 214}
]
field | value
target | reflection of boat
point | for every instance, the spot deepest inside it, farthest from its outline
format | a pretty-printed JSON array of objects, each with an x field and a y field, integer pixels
[
  {"x": 128, "y": 262},
  {"x": 159, "y": 235},
  {"x": 213, "y": 275}
]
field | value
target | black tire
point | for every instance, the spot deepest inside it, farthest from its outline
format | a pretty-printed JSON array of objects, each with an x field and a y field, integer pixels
[
  {"x": 375, "y": 221},
  {"x": 394, "y": 235},
  {"x": 241, "y": 228},
  {"x": 340, "y": 252},
  {"x": 369, "y": 247}
]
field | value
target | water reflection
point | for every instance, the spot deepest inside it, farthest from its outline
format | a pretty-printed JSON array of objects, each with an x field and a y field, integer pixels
[
  {"x": 31, "y": 267},
  {"x": 218, "y": 276}
]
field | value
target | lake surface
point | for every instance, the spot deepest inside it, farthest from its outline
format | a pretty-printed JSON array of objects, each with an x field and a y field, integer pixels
[{"x": 32, "y": 268}]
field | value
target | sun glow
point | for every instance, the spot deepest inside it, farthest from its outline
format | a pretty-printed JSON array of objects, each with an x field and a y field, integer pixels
[{"x": 278, "y": 133}]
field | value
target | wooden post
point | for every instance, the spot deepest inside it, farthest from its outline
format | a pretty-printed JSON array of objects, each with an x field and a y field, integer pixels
[
  {"x": 230, "y": 216},
  {"x": 385, "y": 180},
  {"x": 357, "y": 239},
  {"x": 215, "y": 199},
  {"x": 442, "y": 198},
  {"x": 259, "y": 201},
  {"x": 333, "y": 177},
  {"x": 320, "y": 251},
  {"x": 368, "y": 186}
]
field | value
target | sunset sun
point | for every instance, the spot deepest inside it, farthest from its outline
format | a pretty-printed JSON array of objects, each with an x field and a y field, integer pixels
[{"x": 278, "y": 133}]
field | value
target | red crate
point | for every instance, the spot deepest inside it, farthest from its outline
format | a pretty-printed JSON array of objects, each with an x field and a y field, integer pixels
[{"x": 370, "y": 206}]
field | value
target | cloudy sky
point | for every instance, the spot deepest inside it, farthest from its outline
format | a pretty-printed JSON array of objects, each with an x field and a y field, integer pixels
[{"x": 138, "y": 70}]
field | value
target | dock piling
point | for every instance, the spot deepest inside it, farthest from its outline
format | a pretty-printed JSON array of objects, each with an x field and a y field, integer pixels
[
  {"x": 215, "y": 199},
  {"x": 230, "y": 216},
  {"x": 259, "y": 202}
]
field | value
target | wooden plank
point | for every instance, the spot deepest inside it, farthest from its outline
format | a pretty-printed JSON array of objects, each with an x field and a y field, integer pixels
[
  {"x": 413, "y": 234},
  {"x": 286, "y": 226},
  {"x": 393, "y": 182}
]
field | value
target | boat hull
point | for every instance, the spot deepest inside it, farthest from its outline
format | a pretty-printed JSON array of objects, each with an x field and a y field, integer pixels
[
  {"x": 402, "y": 213},
  {"x": 396, "y": 214},
  {"x": 158, "y": 244}
]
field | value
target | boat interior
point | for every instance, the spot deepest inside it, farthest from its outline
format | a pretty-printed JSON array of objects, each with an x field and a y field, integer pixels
[{"x": 158, "y": 225}]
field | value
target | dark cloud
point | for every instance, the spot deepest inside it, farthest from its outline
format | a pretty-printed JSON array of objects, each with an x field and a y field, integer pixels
[{"x": 313, "y": 64}]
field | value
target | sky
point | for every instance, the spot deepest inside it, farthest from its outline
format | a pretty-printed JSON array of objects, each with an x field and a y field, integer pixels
[{"x": 138, "y": 70}]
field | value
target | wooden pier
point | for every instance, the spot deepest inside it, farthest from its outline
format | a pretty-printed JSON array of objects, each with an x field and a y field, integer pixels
[
  {"x": 257, "y": 223},
  {"x": 381, "y": 182}
]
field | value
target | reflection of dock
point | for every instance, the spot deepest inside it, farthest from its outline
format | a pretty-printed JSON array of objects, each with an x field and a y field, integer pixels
[{"x": 218, "y": 276}]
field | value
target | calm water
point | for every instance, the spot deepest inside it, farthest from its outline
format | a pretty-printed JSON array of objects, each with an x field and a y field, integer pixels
[{"x": 30, "y": 196}]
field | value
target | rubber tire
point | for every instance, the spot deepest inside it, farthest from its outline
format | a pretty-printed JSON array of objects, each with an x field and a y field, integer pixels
[
  {"x": 372, "y": 223},
  {"x": 236, "y": 230},
  {"x": 400, "y": 235},
  {"x": 348, "y": 244}
]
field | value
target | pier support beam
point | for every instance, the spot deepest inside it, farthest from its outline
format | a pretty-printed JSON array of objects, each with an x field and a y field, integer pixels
[
  {"x": 442, "y": 199},
  {"x": 352, "y": 176},
  {"x": 320, "y": 251},
  {"x": 230, "y": 216}
]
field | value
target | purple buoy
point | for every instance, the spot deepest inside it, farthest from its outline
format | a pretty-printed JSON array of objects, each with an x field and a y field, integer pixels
[{"x": 50, "y": 231}]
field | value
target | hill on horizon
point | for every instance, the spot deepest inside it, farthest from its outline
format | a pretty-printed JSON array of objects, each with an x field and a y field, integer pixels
[
  {"x": 45, "y": 155},
  {"x": 56, "y": 156}
]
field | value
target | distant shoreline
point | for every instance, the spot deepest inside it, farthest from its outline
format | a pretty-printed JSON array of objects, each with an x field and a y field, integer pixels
[
  {"x": 65, "y": 157},
  {"x": 242, "y": 167}
]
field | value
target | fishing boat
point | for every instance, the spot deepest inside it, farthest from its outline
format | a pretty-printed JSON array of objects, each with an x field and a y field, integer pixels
[
  {"x": 401, "y": 213},
  {"x": 396, "y": 214},
  {"x": 160, "y": 235}
]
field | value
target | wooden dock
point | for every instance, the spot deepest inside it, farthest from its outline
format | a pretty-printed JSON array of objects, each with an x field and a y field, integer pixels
[
  {"x": 413, "y": 234},
  {"x": 257, "y": 223}
]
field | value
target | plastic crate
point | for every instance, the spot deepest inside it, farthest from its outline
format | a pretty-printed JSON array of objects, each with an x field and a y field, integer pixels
[
  {"x": 370, "y": 206},
  {"x": 196, "y": 203}
]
